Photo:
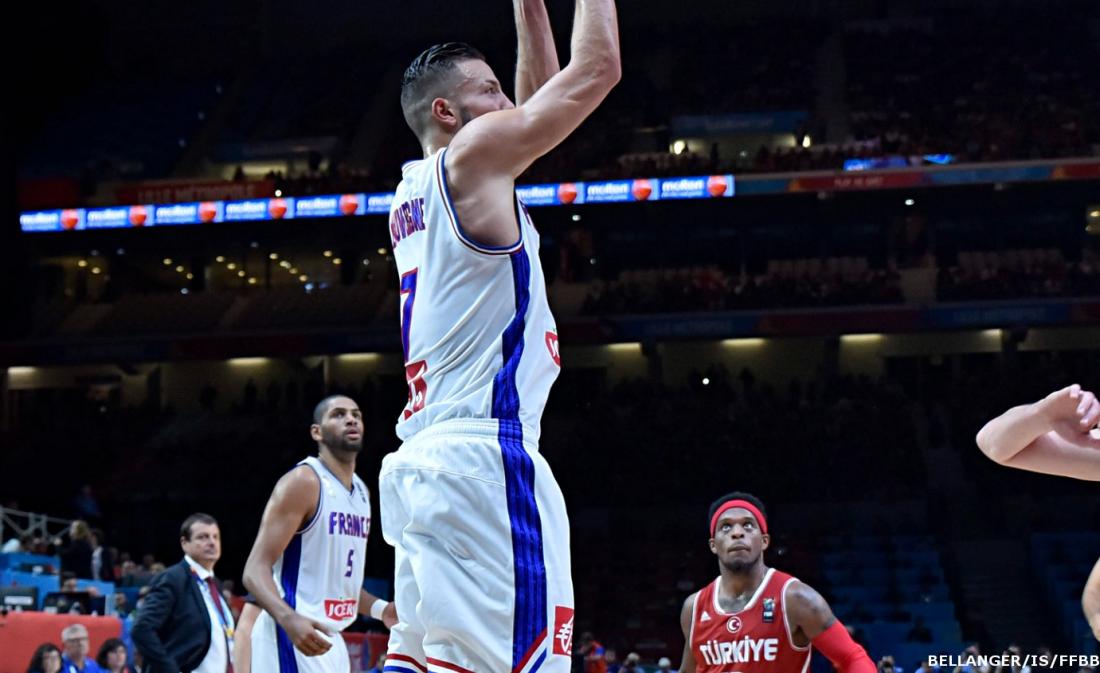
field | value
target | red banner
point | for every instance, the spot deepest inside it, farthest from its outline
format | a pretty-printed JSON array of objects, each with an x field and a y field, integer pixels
[
  {"x": 35, "y": 193},
  {"x": 854, "y": 181},
  {"x": 1077, "y": 171},
  {"x": 181, "y": 191}
]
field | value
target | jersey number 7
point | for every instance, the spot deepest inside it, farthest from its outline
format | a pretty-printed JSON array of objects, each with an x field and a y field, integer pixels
[{"x": 414, "y": 371}]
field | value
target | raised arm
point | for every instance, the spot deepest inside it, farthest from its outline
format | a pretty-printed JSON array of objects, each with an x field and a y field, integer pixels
[
  {"x": 504, "y": 143},
  {"x": 1055, "y": 435},
  {"x": 537, "y": 59},
  {"x": 292, "y": 504}
]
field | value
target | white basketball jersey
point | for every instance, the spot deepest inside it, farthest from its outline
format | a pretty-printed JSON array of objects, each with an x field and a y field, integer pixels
[
  {"x": 321, "y": 570},
  {"x": 476, "y": 329}
]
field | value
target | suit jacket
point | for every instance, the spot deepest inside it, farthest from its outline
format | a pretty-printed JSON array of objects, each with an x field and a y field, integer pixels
[{"x": 172, "y": 630}]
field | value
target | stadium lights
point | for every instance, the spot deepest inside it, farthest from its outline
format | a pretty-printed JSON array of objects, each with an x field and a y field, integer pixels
[
  {"x": 337, "y": 261},
  {"x": 293, "y": 271},
  {"x": 190, "y": 276},
  {"x": 167, "y": 261},
  {"x": 807, "y": 141},
  {"x": 366, "y": 262},
  {"x": 247, "y": 362},
  {"x": 252, "y": 281},
  {"x": 860, "y": 338},
  {"x": 1094, "y": 213},
  {"x": 241, "y": 273},
  {"x": 285, "y": 264},
  {"x": 96, "y": 270},
  {"x": 909, "y": 202},
  {"x": 82, "y": 263},
  {"x": 303, "y": 278},
  {"x": 232, "y": 266},
  {"x": 991, "y": 333},
  {"x": 21, "y": 371},
  {"x": 576, "y": 218},
  {"x": 327, "y": 253},
  {"x": 744, "y": 342},
  {"x": 179, "y": 269},
  {"x": 678, "y": 147},
  {"x": 219, "y": 259},
  {"x": 273, "y": 256},
  {"x": 278, "y": 192},
  {"x": 381, "y": 251},
  {"x": 628, "y": 347},
  {"x": 706, "y": 381}
]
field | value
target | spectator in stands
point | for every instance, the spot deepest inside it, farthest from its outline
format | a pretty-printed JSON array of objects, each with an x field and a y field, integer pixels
[
  {"x": 927, "y": 667},
  {"x": 632, "y": 663},
  {"x": 18, "y": 544},
  {"x": 612, "y": 658},
  {"x": 46, "y": 659},
  {"x": 919, "y": 633},
  {"x": 76, "y": 557},
  {"x": 887, "y": 665},
  {"x": 103, "y": 562},
  {"x": 68, "y": 582},
  {"x": 1012, "y": 650},
  {"x": 664, "y": 665},
  {"x": 593, "y": 653},
  {"x": 112, "y": 656},
  {"x": 76, "y": 659},
  {"x": 122, "y": 605},
  {"x": 965, "y": 667}
]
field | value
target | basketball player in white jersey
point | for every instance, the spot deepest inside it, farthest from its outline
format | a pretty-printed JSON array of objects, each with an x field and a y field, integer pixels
[
  {"x": 471, "y": 507},
  {"x": 306, "y": 566},
  {"x": 1057, "y": 435}
]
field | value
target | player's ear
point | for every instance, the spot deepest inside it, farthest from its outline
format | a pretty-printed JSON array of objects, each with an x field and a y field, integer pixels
[
  {"x": 444, "y": 113},
  {"x": 713, "y": 547},
  {"x": 767, "y": 540},
  {"x": 315, "y": 432}
]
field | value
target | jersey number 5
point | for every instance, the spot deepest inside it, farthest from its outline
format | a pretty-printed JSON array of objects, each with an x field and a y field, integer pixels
[
  {"x": 351, "y": 555},
  {"x": 414, "y": 371}
]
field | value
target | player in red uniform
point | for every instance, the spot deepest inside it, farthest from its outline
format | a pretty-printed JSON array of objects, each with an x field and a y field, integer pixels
[{"x": 756, "y": 619}]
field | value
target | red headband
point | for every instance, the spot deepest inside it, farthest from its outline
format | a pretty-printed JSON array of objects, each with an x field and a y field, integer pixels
[{"x": 744, "y": 504}]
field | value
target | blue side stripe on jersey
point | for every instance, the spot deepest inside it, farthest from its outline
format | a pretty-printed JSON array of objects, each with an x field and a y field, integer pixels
[
  {"x": 530, "y": 570},
  {"x": 538, "y": 664},
  {"x": 292, "y": 560},
  {"x": 398, "y": 669}
]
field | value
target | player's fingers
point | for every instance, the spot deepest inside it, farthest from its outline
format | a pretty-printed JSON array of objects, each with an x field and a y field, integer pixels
[
  {"x": 1074, "y": 390},
  {"x": 1084, "y": 400},
  {"x": 1092, "y": 414},
  {"x": 322, "y": 628}
]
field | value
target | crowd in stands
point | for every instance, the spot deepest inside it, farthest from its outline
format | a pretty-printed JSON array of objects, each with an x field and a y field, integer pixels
[
  {"x": 834, "y": 282},
  {"x": 1018, "y": 273}
]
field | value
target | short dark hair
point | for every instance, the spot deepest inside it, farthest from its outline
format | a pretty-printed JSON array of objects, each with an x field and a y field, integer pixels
[
  {"x": 322, "y": 407},
  {"x": 425, "y": 76},
  {"x": 197, "y": 517},
  {"x": 106, "y": 648},
  {"x": 735, "y": 495}
]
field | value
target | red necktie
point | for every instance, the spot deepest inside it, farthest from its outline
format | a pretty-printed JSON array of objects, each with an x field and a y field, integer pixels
[{"x": 216, "y": 595}]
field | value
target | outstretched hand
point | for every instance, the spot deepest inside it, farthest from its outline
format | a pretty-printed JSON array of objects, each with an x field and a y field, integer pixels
[{"x": 1073, "y": 412}]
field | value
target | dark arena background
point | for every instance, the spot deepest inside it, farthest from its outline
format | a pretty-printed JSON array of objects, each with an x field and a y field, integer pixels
[{"x": 805, "y": 249}]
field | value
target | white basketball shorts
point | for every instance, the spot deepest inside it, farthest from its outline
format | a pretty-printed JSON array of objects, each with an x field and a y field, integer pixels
[
  {"x": 481, "y": 539},
  {"x": 272, "y": 652}
]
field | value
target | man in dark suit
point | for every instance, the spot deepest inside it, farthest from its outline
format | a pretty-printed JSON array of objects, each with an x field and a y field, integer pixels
[{"x": 185, "y": 625}]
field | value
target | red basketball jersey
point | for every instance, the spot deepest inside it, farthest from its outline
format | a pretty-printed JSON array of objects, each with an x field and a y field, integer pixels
[{"x": 755, "y": 639}]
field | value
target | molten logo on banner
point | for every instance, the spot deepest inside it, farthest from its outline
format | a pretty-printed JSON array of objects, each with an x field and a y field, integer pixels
[
  {"x": 69, "y": 218},
  {"x": 137, "y": 216},
  {"x": 716, "y": 185},
  {"x": 641, "y": 189},
  {"x": 563, "y": 631},
  {"x": 277, "y": 208},
  {"x": 349, "y": 203}
]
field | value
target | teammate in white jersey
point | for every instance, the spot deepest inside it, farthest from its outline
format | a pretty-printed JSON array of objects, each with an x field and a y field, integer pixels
[
  {"x": 306, "y": 566},
  {"x": 477, "y": 521}
]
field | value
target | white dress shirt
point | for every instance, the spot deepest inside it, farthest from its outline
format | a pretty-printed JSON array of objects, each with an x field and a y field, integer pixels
[{"x": 217, "y": 657}]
